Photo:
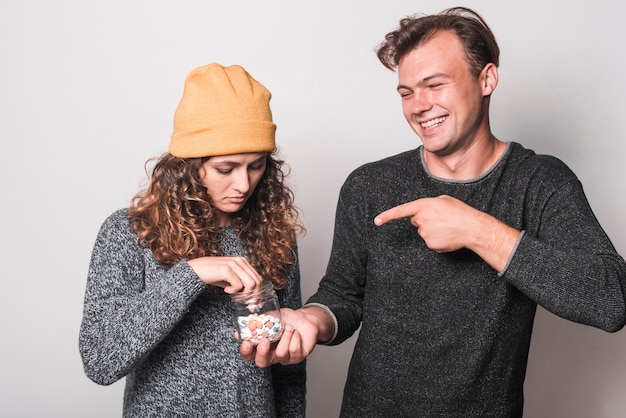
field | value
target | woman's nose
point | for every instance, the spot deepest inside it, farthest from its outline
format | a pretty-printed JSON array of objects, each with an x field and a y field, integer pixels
[{"x": 242, "y": 183}]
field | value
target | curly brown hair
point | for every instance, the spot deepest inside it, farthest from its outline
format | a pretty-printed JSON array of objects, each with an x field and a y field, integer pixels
[{"x": 174, "y": 217}]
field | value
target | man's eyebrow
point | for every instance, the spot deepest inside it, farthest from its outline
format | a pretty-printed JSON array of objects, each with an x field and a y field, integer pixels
[{"x": 425, "y": 80}]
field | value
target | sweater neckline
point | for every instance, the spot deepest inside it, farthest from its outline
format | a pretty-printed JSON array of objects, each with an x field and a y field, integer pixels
[{"x": 491, "y": 169}]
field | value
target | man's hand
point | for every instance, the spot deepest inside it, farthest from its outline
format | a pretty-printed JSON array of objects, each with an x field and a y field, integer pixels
[
  {"x": 448, "y": 224},
  {"x": 444, "y": 223},
  {"x": 302, "y": 328}
]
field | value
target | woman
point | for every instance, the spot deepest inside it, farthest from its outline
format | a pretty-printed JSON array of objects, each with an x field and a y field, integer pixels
[{"x": 216, "y": 218}]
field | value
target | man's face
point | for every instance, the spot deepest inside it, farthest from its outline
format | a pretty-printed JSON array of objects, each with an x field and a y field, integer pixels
[{"x": 443, "y": 103}]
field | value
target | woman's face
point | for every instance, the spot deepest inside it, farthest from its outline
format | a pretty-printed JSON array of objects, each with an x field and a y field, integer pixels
[{"x": 230, "y": 181}]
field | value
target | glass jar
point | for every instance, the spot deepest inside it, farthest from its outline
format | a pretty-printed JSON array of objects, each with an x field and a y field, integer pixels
[{"x": 257, "y": 314}]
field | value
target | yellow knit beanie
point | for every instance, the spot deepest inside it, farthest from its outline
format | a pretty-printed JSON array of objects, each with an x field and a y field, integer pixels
[{"x": 223, "y": 111}]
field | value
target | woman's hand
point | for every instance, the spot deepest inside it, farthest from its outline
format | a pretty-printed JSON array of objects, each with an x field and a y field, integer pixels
[{"x": 234, "y": 274}]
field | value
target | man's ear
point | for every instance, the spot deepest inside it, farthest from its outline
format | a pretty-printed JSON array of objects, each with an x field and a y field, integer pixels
[{"x": 489, "y": 78}]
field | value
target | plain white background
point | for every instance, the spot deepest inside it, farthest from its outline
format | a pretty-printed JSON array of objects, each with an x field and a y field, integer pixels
[{"x": 87, "y": 94}]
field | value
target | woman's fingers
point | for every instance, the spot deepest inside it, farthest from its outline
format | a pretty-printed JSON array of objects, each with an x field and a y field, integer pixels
[
  {"x": 249, "y": 277},
  {"x": 231, "y": 273}
]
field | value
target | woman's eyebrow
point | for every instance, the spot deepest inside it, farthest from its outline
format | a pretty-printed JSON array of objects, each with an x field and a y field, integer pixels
[{"x": 233, "y": 162}]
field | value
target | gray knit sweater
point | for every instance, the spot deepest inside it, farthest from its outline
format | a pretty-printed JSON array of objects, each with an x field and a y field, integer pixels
[
  {"x": 443, "y": 335},
  {"x": 172, "y": 341}
]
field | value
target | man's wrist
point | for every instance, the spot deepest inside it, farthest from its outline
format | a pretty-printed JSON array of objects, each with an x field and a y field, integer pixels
[{"x": 323, "y": 320}]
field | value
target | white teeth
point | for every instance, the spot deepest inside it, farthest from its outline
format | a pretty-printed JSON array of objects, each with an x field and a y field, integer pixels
[{"x": 432, "y": 122}]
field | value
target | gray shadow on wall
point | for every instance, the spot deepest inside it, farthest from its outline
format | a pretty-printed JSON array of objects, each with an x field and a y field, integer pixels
[{"x": 574, "y": 371}]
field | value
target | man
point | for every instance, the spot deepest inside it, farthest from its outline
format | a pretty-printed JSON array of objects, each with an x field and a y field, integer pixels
[{"x": 441, "y": 254}]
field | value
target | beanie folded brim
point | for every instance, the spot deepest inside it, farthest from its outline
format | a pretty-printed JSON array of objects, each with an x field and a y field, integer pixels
[{"x": 231, "y": 137}]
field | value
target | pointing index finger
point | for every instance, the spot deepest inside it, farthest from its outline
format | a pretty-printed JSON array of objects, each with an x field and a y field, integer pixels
[{"x": 398, "y": 212}]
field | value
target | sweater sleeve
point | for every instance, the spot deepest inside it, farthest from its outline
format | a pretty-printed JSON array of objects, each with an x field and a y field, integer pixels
[
  {"x": 568, "y": 265},
  {"x": 290, "y": 381},
  {"x": 342, "y": 288},
  {"x": 131, "y": 302}
]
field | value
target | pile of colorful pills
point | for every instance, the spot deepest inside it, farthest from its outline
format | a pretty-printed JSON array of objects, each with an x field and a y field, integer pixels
[{"x": 256, "y": 326}]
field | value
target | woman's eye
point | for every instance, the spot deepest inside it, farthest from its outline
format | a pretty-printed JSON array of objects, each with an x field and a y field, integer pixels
[{"x": 257, "y": 167}]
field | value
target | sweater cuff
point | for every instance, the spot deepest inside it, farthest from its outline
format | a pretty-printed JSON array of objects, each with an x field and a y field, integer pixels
[
  {"x": 508, "y": 262},
  {"x": 332, "y": 315},
  {"x": 187, "y": 278}
]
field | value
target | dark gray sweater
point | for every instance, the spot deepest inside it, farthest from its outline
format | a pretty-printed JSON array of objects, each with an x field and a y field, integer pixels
[
  {"x": 172, "y": 341},
  {"x": 443, "y": 335}
]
